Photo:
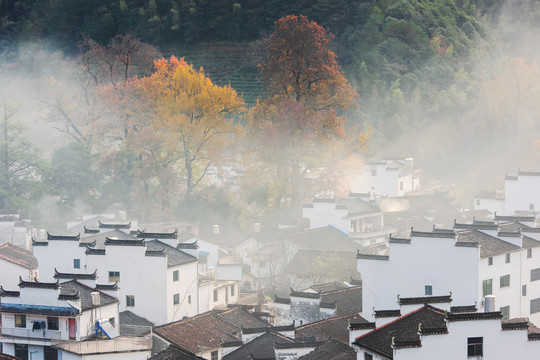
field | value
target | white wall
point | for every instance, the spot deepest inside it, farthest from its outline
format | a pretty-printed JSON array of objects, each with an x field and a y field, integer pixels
[
  {"x": 186, "y": 288},
  {"x": 522, "y": 192},
  {"x": 323, "y": 214},
  {"x": 9, "y": 275},
  {"x": 59, "y": 254},
  {"x": 425, "y": 261}
]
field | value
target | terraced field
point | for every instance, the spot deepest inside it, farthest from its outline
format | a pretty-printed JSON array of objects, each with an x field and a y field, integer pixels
[{"x": 234, "y": 65}]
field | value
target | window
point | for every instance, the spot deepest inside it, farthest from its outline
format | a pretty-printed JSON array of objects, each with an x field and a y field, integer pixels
[
  {"x": 487, "y": 287},
  {"x": 20, "y": 321},
  {"x": 232, "y": 290},
  {"x": 21, "y": 351},
  {"x": 176, "y": 299},
  {"x": 535, "y": 305},
  {"x": 114, "y": 276},
  {"x": 368, "y": 356},
  {"x": 76, "y": 263},
  {"x": 524, "y": 290},
  {"x": 490, "y": 261},
  {"x": 477, "y": 202},
  {"x": 505, "y": 281},
  {"x": 189, "y": 299},
  {"x": 130, "y": 300},
  {"x": 531, "y": 207},
  {"x": 475, "y": 346},
  {"x": 203, "y": 259},
  {"x": 401, "y": 185},
  {"x": 505, "y": 310},
  {"x": 112, "y": 321},
  {"x": 535, "y": 274},
  {"x": 428, "y": 290},
  {"x": 506, "y": 258},
  {"x": 52, "y": 323},
  {"x": 529, "y": 253},
  {"x": 214, "y": 355},
  {"x": 175, "y": 275},
  {"x": 215, "y": 295},
  {"x": 50, "y": 353}
]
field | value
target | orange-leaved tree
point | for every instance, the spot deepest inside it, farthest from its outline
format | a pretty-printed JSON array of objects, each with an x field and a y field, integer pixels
[
  {"x": 197, "y": 117},
  {"x": 302, "y": 116}
]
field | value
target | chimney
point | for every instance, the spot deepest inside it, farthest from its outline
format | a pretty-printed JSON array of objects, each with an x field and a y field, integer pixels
[
  {"x": 257, "y": 227},
  {"x": 215, "y": 229},
  {"x": 42, "y": 235}
]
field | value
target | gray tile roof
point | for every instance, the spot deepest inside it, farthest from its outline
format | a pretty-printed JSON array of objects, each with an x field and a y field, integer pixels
[
  {"x": 175, "y": 257},
  {"x": 331, "y": 350},
  {"x": 489, "y": 245},
  {"x": 175, "y": 353},
  {"x": 129, "y": 318},
  {"x": 260, "y": 347},
  {"x": 85, "y": 292}
]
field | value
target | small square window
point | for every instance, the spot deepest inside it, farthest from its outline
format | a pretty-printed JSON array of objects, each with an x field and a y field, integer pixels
[
  {"x": 176, "y": 299},
  {"x": 475, "y": 346},
  {"x": 490, "y": 261},
  {"x": 130, "y": 300},
  {"x": 175, "y": 275},
  {"x": 76, "y": 263},
  {"x": 477, "y": 202},
  {"x": 529, "y": 253},
  {"x": 401, "y": 185},
  {"x": 524, "y": 290},
  {"x": 52, "y": 323},
  {"x": 505, "y": 281},
  {"x": 428, "y": 290},
  {"x": 535, "y": 274},
  {"x": 189, "y": 299},
  {"x": 507, "y": 258},
  {"x": 114, "y": 276},
  {"x": 215, "y": 295},
  {"x": 20, "y": 321}
]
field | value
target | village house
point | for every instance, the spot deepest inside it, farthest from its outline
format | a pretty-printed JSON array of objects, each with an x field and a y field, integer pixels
[
  {"x": 484, "y": 260},
  {"x": 422, "y": 329},
  {"x": 15, "y": 263},
  {"x": 519, "y": 195},
  {"x": 68, "y": 320},
  {"x": 14, "y": 228},
  {"x": 388, "y": 177}
]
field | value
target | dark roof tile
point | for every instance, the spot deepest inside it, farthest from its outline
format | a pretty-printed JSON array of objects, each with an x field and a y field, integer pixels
[
  {"x": 331, "y": 350},
  {"x": 334, "y": 328},
  {"x": 18, "y": 256}
]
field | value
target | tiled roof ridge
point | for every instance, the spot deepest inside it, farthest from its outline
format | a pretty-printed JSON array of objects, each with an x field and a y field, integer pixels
[
  {"x": 398, "y": 240},
  {"x": 301, "y": 327},
  {"x": 432, "y": 234},
  {"x": 513, "y": 218},
  {"x": 341, "y": 290},
  {"x": 425, "y": 300},
  {"x": 66, "y": 297},
  {"x": 432, "y": 330},
  {"x": 114, "y": 225},
  {"x": 92, "y": 251},
  {"x": 387, "y": 313},
  {"x": 157, "y": 235},
  {"x": 156, "y": 253},
  {"x": 306, "y": 295},
  {"x": 8, "y": 293},
  {"x": 463, "y": 308},
  {"x": 90, "y": 231},
  {"x": 267, "y": 329},
  {"x": 59, "y": 275},
  {"x": 474, "y": 316},
  {"x": 123, "y": 242},
  {"x": 402, "y": 344},
  {"x": 91, "y": 244},
  {"x": 64, "y": 237},
  {"x": 509, "y": 233},
  {"x": 371, "y": 256},
  {"x": 475, "y": 226},
  {"x": 107, "y": 287},
  {"x": 92, "y": 289},
  {"x": 392, "y": 322},
  {"x": 38, "y": 285},
  {"x": 495, "y": 238},
  {"x": 362, "y": 326},
  {"x": 39, "y": 243},
  {"x": 192, "y": 245},
  {"x": 522, "y": 325},
  {"x": 295, "y": 344},
  {"x": 279, "y": 300}
]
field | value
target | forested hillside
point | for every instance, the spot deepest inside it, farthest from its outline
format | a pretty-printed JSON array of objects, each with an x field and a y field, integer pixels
[{"x": 441, "y": 80}]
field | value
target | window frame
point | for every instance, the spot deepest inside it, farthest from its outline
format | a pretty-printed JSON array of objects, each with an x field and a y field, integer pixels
[
  {"x": 534, "y": 305},
  {"x": 76, "y": 263},
  {"x": 216, "y": 296},
  {"x": 52, "y": 323},
  {"x": 529, "y": 253},
  {"x": 490, "y": 260},
  {"x": 428, "y": 290},
  {"x": 535, "y": 274},
  {"x": 114, "y": 276},
  {"x": 232, "y": 290},
  {"x": 21, "y": 323},
  {"x": 507, "y": 258},
  {"x": 487, "y": 284},
  {"x": 505, "y": 310},
  {"x": 475, "y": 346},
  {"x": 130, "y": 300},
  {"x": 176, "y": 275},
  {"x": 504, "y": 281},
  {"x": 176, "y": 299}
]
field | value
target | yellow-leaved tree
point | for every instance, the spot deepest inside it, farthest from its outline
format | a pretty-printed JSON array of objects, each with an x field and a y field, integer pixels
[{"x": 197, "y": 117}]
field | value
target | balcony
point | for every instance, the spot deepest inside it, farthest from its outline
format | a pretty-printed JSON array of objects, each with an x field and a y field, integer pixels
[
  {"x": 8, "y": 334},
  {"x": 132, "y": 338}
]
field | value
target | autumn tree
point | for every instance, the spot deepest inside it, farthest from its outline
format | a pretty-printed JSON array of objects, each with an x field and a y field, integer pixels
[
  {"x": 196, "y": 116},
  {"x": 303, "y": 113}
]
